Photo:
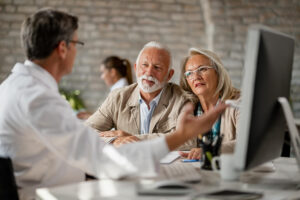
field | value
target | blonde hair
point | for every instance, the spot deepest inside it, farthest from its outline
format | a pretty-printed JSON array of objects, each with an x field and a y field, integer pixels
[{"x": 224, "y": 88}]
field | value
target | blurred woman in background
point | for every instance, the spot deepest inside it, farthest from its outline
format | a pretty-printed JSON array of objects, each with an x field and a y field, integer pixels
[{"x": 116, "y": 72}]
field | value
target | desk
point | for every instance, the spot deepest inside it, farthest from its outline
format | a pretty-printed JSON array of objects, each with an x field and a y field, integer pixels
[{"x": 278, "y": 185}]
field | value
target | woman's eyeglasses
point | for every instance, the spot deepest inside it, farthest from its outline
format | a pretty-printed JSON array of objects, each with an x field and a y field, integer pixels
[{"x": 199, "y": 72}]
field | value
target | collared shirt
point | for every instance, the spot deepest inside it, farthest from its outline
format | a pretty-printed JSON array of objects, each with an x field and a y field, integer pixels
[
  {"x": 49, "y": 146},
  {"x": 146, "y": 113},
  {"x": 120, "y": 83}
]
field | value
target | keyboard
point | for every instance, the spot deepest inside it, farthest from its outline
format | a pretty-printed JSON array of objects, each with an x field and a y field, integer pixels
[{"x": 181, "y": 171}]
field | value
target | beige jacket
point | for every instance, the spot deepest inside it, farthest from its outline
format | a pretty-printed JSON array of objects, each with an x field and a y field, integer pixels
[
  {"x": 121, "y": 111},
  {"x": 228, "y": 128}
]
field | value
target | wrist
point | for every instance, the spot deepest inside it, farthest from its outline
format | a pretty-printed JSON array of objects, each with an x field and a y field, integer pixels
[{"x": 175, "y": 139}]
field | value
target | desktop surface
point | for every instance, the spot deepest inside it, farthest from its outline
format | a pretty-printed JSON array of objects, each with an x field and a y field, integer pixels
[{"x": 280, "y": 184}]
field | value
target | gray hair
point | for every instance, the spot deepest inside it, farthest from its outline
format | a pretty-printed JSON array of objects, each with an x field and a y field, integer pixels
[
  {"x": 156, "y": 45},
  {"x": 44, "y": 30}
]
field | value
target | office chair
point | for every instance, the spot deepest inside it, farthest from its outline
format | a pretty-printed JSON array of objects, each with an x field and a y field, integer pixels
[{"x": 8, "y": 186}]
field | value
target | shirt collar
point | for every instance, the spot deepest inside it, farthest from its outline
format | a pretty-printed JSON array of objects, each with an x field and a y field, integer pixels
[
  {"x": 38, "y": 72},
  {"x": 154, "y": 101}
]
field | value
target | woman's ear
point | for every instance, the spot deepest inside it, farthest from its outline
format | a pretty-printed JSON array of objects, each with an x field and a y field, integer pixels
[
  {"x": 114, "y": 72},
  {"x": 62, "y": 49}
]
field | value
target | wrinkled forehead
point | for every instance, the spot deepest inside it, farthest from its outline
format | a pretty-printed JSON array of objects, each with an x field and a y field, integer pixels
[
  {"x": 155, "y": 56},
  {"x": 197, "y": 60}
]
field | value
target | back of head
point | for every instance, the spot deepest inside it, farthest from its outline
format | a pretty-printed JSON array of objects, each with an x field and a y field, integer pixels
[
  {"x": 224, "y": 87},
  {"x": 122, "y": 66},
  {"x": 42, "y": 32}
]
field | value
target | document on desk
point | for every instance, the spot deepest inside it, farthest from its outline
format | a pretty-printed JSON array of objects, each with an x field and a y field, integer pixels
[{"x": 170, "y": 157}]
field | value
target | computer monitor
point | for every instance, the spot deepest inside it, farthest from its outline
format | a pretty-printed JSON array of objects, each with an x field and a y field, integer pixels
[{"x": 267, "y": 76}]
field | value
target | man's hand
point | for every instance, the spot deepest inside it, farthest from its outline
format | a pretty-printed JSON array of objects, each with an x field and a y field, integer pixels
[
  {"x": 189, "y": 126},
  {"x": 195, "y": 153},
  {"x": 124, "y": 140},
  {"x": 114, "y": 133}
]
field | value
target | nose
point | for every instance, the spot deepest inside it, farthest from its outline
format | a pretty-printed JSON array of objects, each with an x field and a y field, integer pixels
[
  {"x": 102, "y": 75},
  {"x": 195, "y": 76},
  {"x": 149, "y": 70}
]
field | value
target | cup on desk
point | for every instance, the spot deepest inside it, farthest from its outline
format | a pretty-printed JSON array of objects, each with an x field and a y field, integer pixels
[{"x": 227, "y": 170}]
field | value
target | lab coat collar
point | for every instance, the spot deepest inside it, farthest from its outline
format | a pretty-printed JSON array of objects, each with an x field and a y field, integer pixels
[{"x": 30, "y": 68}]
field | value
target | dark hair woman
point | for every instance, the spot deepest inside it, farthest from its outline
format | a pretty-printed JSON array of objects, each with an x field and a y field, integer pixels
[{"x": 116, "y": 72}]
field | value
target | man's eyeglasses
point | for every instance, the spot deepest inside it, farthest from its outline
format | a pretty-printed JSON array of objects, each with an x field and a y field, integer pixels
[
  {"x": 76, "y": 42},
  {"x": 199, "y": 71}
]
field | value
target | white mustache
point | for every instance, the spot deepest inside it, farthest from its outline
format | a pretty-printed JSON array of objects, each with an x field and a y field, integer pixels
[
  {"x": 148, "y": 89},
  {"x": 149, "y": 78}
]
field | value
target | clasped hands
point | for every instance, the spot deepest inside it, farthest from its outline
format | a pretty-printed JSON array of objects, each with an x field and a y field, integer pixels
[{"x": 122, "y": 137}]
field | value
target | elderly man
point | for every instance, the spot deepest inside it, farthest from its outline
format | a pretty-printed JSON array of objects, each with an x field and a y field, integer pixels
[
  {"x": 144, "y": 110},
  {"x": 47, "y": 144}
]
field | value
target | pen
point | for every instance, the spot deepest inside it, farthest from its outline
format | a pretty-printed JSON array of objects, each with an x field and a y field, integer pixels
[{"x": 189, "y": 160}]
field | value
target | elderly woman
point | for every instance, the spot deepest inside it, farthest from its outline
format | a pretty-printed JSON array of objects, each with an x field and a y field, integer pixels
[{"x": 206, "y": 82}]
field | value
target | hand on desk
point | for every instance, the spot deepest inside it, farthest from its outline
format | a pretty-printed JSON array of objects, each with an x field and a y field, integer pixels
[
  {"x": 114, "y": 133},
  {"x": 124, "y": 140},
  {"x": 195, "y": 153}
]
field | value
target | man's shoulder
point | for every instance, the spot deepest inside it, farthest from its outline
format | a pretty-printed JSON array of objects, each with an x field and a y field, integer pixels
[
  {"x": 123, "y": 93},
  {"x": 124, "y": 90}
]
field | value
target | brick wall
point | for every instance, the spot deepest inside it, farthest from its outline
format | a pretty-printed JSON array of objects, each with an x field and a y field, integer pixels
[
  {"x": 231, "y": 19},
  {"x": 122, "y": 27}
]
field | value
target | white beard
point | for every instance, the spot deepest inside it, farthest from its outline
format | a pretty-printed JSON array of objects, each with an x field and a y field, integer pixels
[{"x": 149, "y": 89}]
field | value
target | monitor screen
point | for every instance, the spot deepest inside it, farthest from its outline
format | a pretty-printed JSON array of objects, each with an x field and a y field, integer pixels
[{"x": 267, "y": 76}]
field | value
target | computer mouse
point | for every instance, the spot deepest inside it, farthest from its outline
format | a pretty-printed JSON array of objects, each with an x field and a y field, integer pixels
[{"x": 171, "y": 184}]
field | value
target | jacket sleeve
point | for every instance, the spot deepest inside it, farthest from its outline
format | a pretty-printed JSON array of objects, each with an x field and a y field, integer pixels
[
  {"x": 185, "y": 147},
  {"x": 79, "y": 146},
  {"x": 229, "y": 129},
  {"x": 102, "y": 119}
]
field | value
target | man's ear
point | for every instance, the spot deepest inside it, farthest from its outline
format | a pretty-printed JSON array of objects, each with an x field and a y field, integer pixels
[
  {"x": 62, "y": 49},
  {"x": 170, "y": 75}
]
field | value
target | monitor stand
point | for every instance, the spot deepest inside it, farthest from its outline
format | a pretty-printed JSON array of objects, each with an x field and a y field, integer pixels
[{"x": 294, "y": 134}]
